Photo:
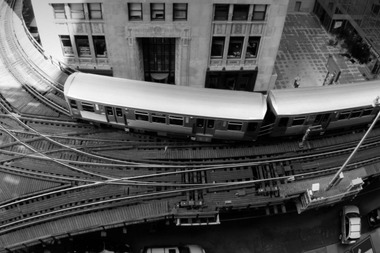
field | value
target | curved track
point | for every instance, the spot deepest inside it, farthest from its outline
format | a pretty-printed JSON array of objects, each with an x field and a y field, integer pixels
[{"x": 28, "y": 89}]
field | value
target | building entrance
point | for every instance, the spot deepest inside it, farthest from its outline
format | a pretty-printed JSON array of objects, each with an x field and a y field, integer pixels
[{"x": 159, "y": 59}]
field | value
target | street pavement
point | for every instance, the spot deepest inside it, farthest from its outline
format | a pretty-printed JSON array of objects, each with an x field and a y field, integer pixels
[{"x": 304, "y": 51}]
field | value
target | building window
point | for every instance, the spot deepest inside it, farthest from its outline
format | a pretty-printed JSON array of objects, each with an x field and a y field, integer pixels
[
  {"x": 179, "y": 11},
  {"x": 259, "y": 11},
  {"x": 67, "y": 48},
  {"x": 100, "y": 46},
  {"x": 221, "y": 12},
  {"x": 157, "y": 11},
  {"x": 135, "y": 11},
  {"x": 59, "y": 11},
  {"x": 240, "y": 12},
  {"x": 83, "y": 46},
  {"x": 95, "y": 11},
  {"x": 77, "y": 11},
  {"x": 235, "y": 47},
  {"x": 231, "y": 80},
  {"x": 252, "y": 47},
  {"x": 217, "y": 47}
]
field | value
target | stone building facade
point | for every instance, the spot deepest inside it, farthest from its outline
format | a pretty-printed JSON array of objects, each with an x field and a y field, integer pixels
[
  {"x": 301, "y": 6},
  {"x": 225, "y": 44}
]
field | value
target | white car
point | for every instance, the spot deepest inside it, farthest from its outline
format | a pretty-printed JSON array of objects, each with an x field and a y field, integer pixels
[
  {"x": 175, "y": 249},
  {"x": 351, "y": 225}
]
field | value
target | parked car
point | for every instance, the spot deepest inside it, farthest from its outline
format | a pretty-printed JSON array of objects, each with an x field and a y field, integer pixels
[
  {"x": 351, "y": 225},
  {"x": 374, "y": 218},
  {"x": 174, "y": 249}
]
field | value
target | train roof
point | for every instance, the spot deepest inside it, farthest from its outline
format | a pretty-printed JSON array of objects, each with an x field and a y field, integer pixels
[
  {"x": 324, "y": 99},
  {"x": 159, "y": 97}
]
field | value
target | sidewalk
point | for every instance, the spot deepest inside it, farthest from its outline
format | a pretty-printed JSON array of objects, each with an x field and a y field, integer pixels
[{"x": 304, "y": 51}]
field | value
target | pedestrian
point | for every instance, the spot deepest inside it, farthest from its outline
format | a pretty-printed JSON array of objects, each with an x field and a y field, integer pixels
[{"x": 297, "y": 82}]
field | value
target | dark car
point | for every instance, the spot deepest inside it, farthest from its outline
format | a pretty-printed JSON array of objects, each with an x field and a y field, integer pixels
[{"x": 374, "y": 218}]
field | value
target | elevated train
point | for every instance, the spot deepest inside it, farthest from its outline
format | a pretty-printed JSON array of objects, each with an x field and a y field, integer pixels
[{"x": 206, "y": 114}]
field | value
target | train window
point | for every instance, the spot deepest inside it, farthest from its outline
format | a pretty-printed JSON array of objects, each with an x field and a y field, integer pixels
[
  {"x": 283, "y": 122},
  {"x": 88, "y": 107},
  {"x": 73, "y": 104},
  {"x": 356, "y": 114},
  {"x": 367, "y": 112},
  {"x": 251, "y": 127},
  {"x": 210, "y": 123},
  {"x": 343, "y": 115},
  {"x": 119, "y": 112},
  {"x": 234, "y": 126},
  {"x": 200, "y": 122},
  {"x": 158, "y": 118},
  {"x": 298, "y": 121},
  {"x": 109, "y": 111},
  {"x": 318, "y": 119},
  {"x": 141, "y": 115},
  {"x": 175, "y": 120}
]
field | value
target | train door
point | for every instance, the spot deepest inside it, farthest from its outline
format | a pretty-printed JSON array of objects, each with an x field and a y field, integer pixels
[
  {"x": 110, "y": 114},
  {"x": 205, "y": 126},
  {"x": 114, "y": 115},
  {"x": 119, "y": 115},
  {"x": 323, "y": 120}
]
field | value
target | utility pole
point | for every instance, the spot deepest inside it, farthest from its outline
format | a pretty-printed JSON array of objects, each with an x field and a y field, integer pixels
[{"x": 338, "y": 175}]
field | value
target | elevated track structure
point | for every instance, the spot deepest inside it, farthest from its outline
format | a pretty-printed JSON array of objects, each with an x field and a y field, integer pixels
[{"x": 60, "y": 177}]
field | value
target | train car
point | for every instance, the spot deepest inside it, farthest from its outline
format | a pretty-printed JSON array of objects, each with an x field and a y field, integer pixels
[
  {"x": 199, "y": 113},
  {"x": 321, "y": 109}
]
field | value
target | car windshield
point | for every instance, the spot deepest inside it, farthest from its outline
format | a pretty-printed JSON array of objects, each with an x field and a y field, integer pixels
[
  {"x": 351, "y": 215},
  {"x": 184, "y": 249}
]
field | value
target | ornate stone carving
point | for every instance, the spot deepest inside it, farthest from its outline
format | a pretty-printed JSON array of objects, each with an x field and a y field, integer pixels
[
  {"x": 257, "y": 28},
  {"x": 238, "y": 29},
  {"x": 219, "y": 28},
  {"x": 79, "y": 28},
  {"x": 250, "y": 62},
  {"x": 97, "y": 28},
  {"x": 233, "y": 62},
  {"x": 157, "y": 30},
  {"x": 216, "y": 62},
  {"x": 185, "y": 41}
]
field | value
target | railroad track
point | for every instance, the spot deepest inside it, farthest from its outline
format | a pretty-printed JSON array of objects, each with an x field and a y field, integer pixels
[
  {"x": 45, "y": 97},
  {"x": 66, "y": 182}
]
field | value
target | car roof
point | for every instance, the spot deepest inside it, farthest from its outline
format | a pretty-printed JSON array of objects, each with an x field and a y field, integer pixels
[
  {"x": 183, "y": 100},
  {"x": 351, "y": 209},
  {"x": 195, "y": 249},
  {"x": 355, "y": 227},
  {"x": 324, "y": 98}
]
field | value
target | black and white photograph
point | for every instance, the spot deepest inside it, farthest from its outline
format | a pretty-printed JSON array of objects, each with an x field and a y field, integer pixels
[{"x": 189, "y": 126}]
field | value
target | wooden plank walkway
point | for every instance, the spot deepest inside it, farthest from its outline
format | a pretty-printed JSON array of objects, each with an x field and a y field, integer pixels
[{"x": 88, "y": 221}]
